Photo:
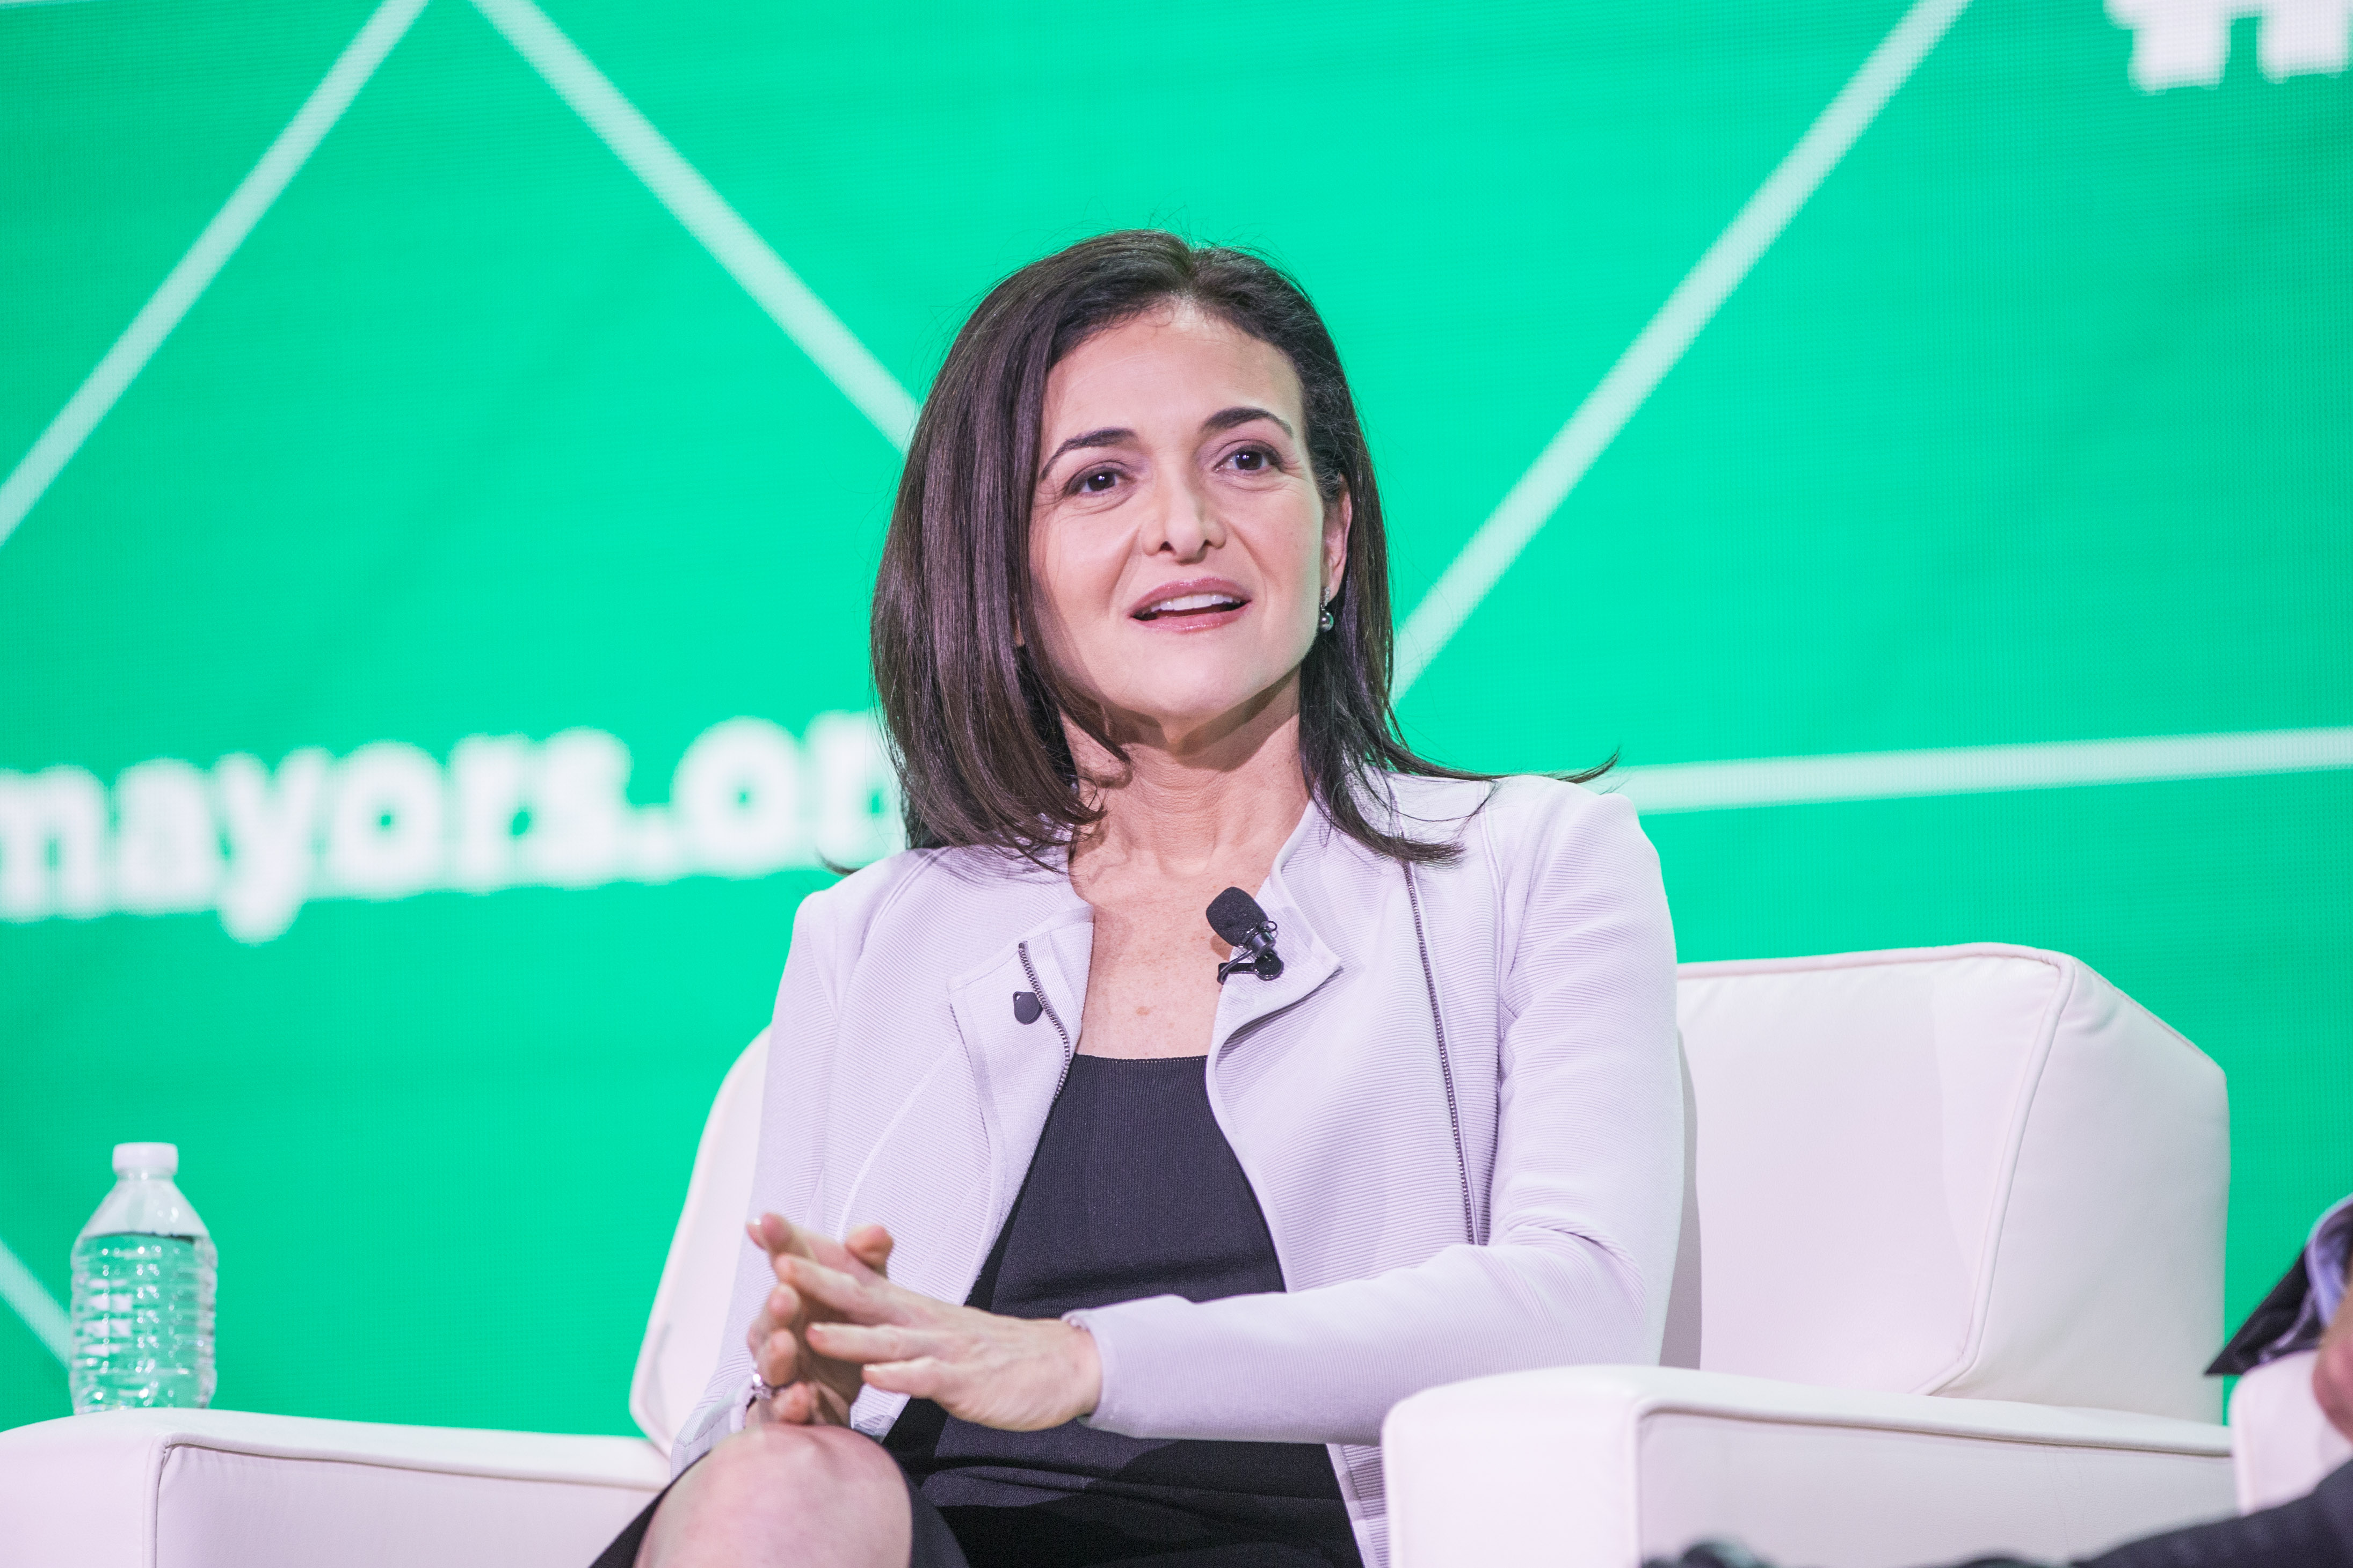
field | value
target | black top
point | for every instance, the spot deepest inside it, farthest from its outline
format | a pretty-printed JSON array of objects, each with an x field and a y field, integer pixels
[{"x": 1133, "y": 1192}]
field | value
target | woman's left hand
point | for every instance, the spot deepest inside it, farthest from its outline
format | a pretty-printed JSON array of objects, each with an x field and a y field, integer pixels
[{"x": 1016, "y": 1374}]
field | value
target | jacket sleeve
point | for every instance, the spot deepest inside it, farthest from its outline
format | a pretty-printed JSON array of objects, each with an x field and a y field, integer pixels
[
  {"x": 800, "y": 1045},
  {"x": 1586, "y": 1194}
]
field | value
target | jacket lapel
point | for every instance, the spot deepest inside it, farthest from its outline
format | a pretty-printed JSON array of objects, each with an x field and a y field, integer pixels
[
  {"x": 1307, "y": 962},
  {"x": 1018, "y": 1067}
]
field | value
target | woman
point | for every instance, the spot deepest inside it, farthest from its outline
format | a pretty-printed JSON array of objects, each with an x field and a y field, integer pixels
[{"x": 1137, "y": 1251}]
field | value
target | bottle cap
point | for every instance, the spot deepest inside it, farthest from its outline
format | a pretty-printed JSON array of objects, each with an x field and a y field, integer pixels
[{"x": 147, "y": 1159}]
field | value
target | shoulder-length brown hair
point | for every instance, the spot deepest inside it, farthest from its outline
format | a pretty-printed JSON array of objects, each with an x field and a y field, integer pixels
[{"x": 974, "y": 720}]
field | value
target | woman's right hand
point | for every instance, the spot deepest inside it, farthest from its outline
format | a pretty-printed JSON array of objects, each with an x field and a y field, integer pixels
[{"x": 811, "y": 1389}]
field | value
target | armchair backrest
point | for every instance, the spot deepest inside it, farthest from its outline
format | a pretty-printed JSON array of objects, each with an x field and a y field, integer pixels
[
  {"x": 684, "y": 1332},
  {"x": 1978, "y": 1170}
]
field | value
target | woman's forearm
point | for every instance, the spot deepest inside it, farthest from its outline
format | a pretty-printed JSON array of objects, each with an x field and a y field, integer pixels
[{"x": 1324, "y": 1365}]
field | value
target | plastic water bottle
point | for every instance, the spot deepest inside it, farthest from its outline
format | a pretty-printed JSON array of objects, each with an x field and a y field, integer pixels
[{"x": 143, "y": 1272}]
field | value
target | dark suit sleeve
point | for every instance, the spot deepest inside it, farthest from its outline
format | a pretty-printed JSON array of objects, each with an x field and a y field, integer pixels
[{"x": 2253, "y": 1343}]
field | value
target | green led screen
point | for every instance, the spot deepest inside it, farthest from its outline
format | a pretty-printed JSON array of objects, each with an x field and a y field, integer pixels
[{"x": 446, "y": 450}]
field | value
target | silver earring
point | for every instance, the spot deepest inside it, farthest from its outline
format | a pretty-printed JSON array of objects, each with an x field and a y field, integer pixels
[{"x": 1325, "y": 622}]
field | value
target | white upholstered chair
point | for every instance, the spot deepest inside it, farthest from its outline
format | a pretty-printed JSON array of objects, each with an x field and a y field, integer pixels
[
  {"x": 2280, "y": 1442},
  {"x": 1952, "y": 1261},
  {"x": 1956, "y": 1265}
]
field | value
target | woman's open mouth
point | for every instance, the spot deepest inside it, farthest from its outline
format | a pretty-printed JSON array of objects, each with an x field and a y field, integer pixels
[{"x": 1192, "y": 604}]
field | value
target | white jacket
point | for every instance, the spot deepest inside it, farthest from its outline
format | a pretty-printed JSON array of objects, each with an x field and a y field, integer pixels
[{"x": 1522, "y": 1215}]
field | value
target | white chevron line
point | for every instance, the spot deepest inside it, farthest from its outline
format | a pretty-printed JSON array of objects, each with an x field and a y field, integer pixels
[
  {"x": 186, "y": 283},
  {"x": 1974, "y": 770},
  {"x": 732, "y": 242},
  {"x": 32, "y": 1301},
  {"x": 689, "y": 199},
  {"x": 1531, "y": 502}
]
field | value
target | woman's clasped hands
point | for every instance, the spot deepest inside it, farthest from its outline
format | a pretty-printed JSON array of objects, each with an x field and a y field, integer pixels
[{"x": 835, "y": 1323}]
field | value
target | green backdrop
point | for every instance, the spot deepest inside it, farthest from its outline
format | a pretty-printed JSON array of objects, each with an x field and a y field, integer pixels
[{"x": 427, "y": 690}]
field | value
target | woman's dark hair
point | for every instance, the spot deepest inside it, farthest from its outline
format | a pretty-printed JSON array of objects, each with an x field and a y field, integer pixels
[{"x": 973, "y": 719}]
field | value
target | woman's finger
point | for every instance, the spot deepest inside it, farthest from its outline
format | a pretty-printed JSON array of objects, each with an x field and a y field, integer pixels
[
  {"x": 861, "y": 1302},
  {"x": 779, "y": 1314},
  {"x": 871, "y": 1245},
  {"x": 795, "y": 1407},
  {"x": 781, "y": 1238},
  {"x": 924, "y": 1377},
  {"x": 796, "y": 1245},
  {"x": 782, "y": 1306},
  {"x": 774, "y": 1234},
  {"x": 861, "y": 1343},
  {"x": 841, "y": 1255},
  {"x": 866, "y": 1250},
  {"x": 778, "y": 1358}
]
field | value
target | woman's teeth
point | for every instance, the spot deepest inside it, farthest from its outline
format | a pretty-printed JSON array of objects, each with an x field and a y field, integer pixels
[{"x": 1189, "y": 602}]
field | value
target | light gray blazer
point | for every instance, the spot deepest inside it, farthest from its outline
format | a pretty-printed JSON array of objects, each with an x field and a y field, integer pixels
[{"x": 1509, "y": 1199}]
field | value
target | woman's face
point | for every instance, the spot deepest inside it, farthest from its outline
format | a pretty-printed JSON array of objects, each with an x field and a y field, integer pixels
[{"x": 1181, "y": 550}]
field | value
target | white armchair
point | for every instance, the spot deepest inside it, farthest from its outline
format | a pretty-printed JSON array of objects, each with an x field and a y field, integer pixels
[
  {"x": 1955, "y": 1266},
  {"x": 1952, "y": 1261},
  {"x": 2280, "y": 1442}
]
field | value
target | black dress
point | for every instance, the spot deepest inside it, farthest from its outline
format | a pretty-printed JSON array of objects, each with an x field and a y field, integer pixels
[{"x": 1133, "y": 1192}]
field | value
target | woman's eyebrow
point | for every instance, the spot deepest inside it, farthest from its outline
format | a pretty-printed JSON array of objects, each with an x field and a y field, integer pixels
[
  {"x": 1110, "y": 436},
  {"x": 1227, "y": 418}
]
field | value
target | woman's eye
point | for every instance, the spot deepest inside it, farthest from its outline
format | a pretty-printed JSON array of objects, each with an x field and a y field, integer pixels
[
  {"x": 1252, "y": 460},
  {"x": 1098, "y": 481}
]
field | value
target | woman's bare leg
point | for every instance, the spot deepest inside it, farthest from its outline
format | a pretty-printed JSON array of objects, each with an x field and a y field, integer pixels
[{"x": 797, "y": 1497}]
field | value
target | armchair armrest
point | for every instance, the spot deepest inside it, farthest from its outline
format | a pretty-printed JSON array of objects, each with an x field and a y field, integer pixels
[
  {"x": 1601, "y": 1467},
  {"x": 221, "y": 1489},
  {"x": 2281, "y": 1441}
]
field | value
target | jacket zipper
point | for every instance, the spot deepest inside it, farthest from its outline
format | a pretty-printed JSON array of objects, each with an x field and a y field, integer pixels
[{"x": 1030, "y": 970}]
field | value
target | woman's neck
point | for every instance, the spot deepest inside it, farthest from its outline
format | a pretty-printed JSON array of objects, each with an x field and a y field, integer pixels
[{"x": 1227, "y": 794}]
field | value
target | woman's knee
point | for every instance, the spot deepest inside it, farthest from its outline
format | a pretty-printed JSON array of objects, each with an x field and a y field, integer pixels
[
  {"x": 767, "y": 1459},
  {"x": 785, "y": 1485}
]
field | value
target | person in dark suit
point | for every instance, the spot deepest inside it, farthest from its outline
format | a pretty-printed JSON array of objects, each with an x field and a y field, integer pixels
[
  {"x": 2304, "y": 1310},
  {"x": 2301, "y": 1312}
]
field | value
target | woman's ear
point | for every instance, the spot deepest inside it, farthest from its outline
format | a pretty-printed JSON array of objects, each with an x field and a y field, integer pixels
[{"x": 1339, "y": 513}]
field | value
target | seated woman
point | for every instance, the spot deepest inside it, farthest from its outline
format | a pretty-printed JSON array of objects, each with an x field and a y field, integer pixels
[{"x": 1140, "y": 1236}]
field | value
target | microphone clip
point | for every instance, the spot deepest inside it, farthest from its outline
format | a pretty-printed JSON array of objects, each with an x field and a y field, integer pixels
[
  {"x": 1236, "y": 917},
  {"x": 1256, "y": 955}
]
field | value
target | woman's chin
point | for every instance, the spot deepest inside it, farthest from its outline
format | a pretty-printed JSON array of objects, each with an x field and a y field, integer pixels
[{"x": 1194, "y": 713}]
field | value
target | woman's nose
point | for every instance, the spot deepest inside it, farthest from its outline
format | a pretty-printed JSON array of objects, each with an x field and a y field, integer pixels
[{"x": 1187, "y": 525}]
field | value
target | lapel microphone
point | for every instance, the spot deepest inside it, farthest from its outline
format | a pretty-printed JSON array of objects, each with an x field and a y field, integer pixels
[{"x": 1234, "y": 916}]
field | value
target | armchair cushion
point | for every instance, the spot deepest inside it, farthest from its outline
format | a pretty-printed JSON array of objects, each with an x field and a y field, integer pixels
[
  {"x": 1602, "y": 1466},
  {"x": 2280, "y": 1440},
  {"x": 220, "y": 1489}
]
